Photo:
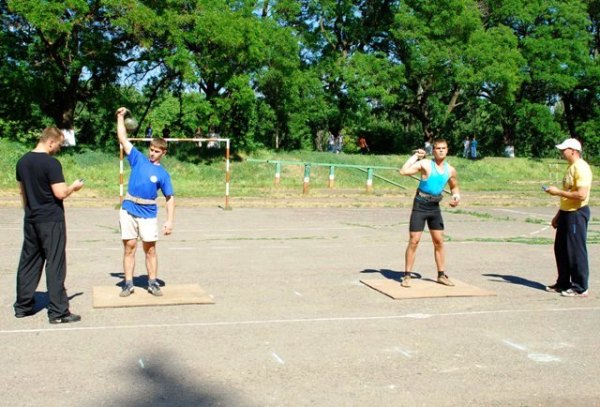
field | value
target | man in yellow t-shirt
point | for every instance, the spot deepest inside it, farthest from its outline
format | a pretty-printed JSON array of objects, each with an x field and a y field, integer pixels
[{"x": 571, "y": 222}]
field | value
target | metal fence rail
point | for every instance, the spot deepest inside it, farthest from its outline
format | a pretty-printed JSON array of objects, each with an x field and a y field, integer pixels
[{"x": 368, "y": 169}]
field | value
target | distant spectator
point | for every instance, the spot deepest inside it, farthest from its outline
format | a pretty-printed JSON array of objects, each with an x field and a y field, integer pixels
[
  {"x": 166, "y": 132},
  {"x": 362, "y": 145},
  {"x": 149, "y": 131},
  {"x": 330, "y": 142},
  {"x": 466, "y": 147},
  {"x": 339, "y": 143},
  {"x": 473, "y": 147}
]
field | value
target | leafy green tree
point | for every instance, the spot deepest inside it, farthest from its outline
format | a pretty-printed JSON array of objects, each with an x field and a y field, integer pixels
[
  {"x": 555, "y": 43},
  {"x": 63, "y": 51},
  {"x": 431, "y": 40}
]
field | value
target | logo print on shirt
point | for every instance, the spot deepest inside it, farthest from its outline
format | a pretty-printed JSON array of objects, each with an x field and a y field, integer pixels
[{"x": 153, "y": 179}]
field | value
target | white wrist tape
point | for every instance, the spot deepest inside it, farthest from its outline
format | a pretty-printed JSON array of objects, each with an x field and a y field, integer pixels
[{"x": 456, "y": 197}]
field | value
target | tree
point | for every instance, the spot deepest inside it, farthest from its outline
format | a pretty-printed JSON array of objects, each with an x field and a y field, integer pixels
[
  {"x": 63, "y": 51},
  {"x": 555, "y": 43}
]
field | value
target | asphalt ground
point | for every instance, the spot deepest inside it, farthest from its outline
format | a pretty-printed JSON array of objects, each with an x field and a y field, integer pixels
[{"x": 293, "y": 326}]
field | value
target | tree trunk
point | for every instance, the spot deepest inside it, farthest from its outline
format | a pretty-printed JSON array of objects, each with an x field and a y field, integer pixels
[{"x": 569, "y": 115}]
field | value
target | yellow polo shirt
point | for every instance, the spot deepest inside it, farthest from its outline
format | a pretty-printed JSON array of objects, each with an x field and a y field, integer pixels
[{"x": 578, "y": 175}]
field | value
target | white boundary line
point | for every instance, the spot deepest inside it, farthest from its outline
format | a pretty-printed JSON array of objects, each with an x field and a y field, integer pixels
[{"x": 294, "y": 320}]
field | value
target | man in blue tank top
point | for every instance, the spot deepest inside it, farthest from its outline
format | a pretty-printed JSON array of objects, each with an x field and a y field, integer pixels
[
  {"x": 435, "y": 174},
  {"x": 138, "y": 215}
]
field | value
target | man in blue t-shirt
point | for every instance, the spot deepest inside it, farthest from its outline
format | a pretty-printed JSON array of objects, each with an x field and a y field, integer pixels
[
  {"x": 138, "y": 215},
  {"x": 435, "y": 174}
]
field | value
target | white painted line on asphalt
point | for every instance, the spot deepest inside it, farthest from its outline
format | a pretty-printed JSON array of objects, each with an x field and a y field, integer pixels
[
  {"x": 537, "y": 357},
  {"x": 543, "y": 358},
  {"x": 540, "y": 230},
  {"x": 514, "y": 345},
  {"x": 293, "y": 320},
  {"x": 183, "y": 248},
  {"x": 419, "y": 316},
  {"x": 230, "y": 231},
  {"x": 399, "y": 350},
  {"x": 277, "y": 358}
]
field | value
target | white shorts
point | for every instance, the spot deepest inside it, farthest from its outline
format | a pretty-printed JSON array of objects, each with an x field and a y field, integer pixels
[{"x": 133, "y": 227}]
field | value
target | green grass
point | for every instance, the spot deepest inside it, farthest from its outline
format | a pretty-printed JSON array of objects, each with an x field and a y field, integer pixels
[{"x": 516, "y": 178}]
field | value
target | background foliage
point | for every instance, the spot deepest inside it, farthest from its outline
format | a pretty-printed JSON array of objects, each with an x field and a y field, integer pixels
[{"x": 280, "y": 74}]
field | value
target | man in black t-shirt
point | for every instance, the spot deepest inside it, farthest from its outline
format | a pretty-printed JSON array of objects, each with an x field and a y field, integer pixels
[{"x": 43, "y": 189}]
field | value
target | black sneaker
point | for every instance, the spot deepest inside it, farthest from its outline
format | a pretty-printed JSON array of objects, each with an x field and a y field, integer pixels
[
  {"x": 66, "y": 319},
  {"x": 154, "y": 289},
  {"x": 23, "y": 314},
  {"x": 554, "y": 288}
]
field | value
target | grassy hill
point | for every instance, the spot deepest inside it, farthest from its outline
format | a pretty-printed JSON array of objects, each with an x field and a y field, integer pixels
[{"x": 489, "y": 181}]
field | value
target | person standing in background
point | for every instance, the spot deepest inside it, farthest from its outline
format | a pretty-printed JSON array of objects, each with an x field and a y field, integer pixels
[
  {"x": 362, "y": 145},
  {"x": 43, "y": 190},
  {"x": 473, "y": 148},
  {"x": 571, "y": 222},
  {"x": 466, "y": 147}
]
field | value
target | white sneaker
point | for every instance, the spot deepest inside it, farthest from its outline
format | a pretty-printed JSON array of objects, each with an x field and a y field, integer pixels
[{"x": 572, "y": 293}]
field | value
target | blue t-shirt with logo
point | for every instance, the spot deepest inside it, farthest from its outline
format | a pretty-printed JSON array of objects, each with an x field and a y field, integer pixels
[{"x": 144, "y": 182}]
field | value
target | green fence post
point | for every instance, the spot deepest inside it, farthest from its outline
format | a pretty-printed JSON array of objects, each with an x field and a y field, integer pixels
[
  {"x": 369, "y": 179},
  {"x": 331, "y": 176},
  {"x": 306, "y": 178},
  {"x": 277, "y": 172}
]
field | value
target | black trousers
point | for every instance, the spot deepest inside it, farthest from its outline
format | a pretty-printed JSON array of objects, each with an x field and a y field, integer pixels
[
  {"x": 570, "y": 249},
  {"x": 43, "y": 243}
]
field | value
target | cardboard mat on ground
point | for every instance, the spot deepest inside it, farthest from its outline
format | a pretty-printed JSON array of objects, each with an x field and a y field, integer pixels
[
  {"x": 173, "y": 294},
  {"x": 425, "y": 288}
]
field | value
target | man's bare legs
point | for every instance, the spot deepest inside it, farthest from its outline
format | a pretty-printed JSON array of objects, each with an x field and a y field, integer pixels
[
  {"x": 129, "y": 250},
  {"x": 437, "y": 237},
  {"x": 410, "y": 255},
  {"x": 151, "y": 259}
]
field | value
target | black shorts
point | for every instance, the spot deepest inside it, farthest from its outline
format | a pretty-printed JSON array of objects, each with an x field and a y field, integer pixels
[{"x": 425, "y": 212}]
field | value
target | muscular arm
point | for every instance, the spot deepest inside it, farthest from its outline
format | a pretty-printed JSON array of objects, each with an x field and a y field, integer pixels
[
  {"x": 168, "y": 226},
  {"x": 453, "y": 182},
  {"x": 413, "y": 166},
  {"x": 62, "y": 191},
  {"x": 579, "y": 194},
  {"x": 454, "y": 189},
  {"x": 122, "y": 131},
  {"x": 23, "y": 197}
]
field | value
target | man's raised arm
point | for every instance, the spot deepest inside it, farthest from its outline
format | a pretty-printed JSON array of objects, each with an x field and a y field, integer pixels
[{"x": 122, "y": 131}]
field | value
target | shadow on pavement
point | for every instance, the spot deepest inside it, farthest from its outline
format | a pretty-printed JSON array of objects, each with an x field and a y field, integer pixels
[
  {"x": 138, "y": 281},
  {"x": 159, "y": 381},
  {"x": 391, "y": 274},
  {"x": 517, "y": 280}
]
